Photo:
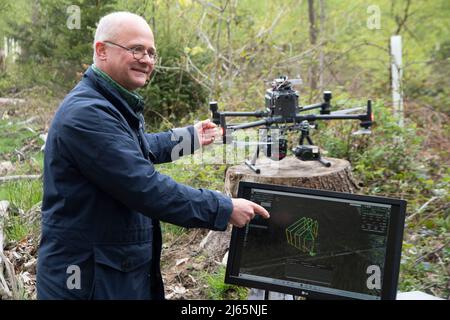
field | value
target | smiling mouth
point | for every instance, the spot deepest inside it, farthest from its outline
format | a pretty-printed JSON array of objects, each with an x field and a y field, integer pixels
[{"x": 142, "y": 71}]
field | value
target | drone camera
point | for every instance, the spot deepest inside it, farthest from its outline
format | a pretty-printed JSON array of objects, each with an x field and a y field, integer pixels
[{"x": 307, "y": 153}]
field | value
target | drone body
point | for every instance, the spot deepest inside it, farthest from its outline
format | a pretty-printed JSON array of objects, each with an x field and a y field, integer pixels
[
  {"x": 283, "y": 114},
  {"x": 282, "y": 100}
]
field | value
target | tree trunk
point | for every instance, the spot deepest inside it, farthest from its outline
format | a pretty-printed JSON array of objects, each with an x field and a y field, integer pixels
[
  {"x": 288, "y": 172},
  {"x": 313, "y": 41},
  {"x": 322, "y": 37}
]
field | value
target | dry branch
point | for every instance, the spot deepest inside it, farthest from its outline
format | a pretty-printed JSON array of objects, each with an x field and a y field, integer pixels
[
  {"x": 5, "y": 264},
  {"x": 20, "y": 177}
]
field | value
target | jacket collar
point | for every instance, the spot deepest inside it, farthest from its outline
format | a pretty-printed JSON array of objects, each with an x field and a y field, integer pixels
[
  {"x": 134, "y": 100},
  {"x": 112, "y": 94}
]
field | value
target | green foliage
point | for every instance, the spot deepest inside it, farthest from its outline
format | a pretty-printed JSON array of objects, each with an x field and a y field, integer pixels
[
  {"x": 53, "y": 56},
  {"x": 23, "y": 194},
  {"x": 56, "y": 41},
  {"x": 227, "y": 51},
  {"x": 197, "y": 175},
  {"x": 20, "y": 143},
  {"x": 13, "y": 136},
  {"x": 424, "y": 265},
  {"x": 171, "y": 231},
  {"x": 392, "y": 150},
  {"x": 431, "y": 87},
  {"x": 218, "y": 290},
  {"x": 16, "y": 228},
  {"x": 172, "y": 96}
]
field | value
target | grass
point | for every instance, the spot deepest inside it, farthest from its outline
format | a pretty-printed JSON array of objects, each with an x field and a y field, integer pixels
[
  {"x": 17, "y": 229},
  {"x": 22, "y": 195},
  {"x": 171, "y": 231},
  {"x": 195, "y": 175},
  {"x": 20, "y": 144},
  {"x": 424, "y": 264},
  {"x": 13, "y": 136},
  {"x": 218, "y": 290}
]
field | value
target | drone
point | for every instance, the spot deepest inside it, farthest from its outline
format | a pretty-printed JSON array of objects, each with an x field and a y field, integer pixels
[{"x": 283, "y": 114}]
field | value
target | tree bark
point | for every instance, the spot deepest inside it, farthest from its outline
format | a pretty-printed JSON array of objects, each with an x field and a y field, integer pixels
[{"x": 293, "y": 172}]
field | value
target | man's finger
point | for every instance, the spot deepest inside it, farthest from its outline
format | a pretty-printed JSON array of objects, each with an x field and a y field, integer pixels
[
  {"x": 207, "y": 124},
  {"x": 261, "y": 211},
  {"x": 210, "y": 131},
  {"x": 209, "y": 135}
]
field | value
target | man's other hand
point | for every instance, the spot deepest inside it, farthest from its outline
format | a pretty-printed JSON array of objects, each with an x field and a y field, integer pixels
[
  {"x": 244, "y": 211},
  {"x": 206, "y": 131}
]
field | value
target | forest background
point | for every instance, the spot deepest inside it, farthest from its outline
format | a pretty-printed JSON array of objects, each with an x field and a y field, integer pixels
[{"x": 229, "y": 51}]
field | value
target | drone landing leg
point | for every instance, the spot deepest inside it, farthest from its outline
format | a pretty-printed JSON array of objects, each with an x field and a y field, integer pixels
[
  {"x": 251, "y": 163},
  {"x": 305, "y": 134},
  {"x": 326, "y": 163}
]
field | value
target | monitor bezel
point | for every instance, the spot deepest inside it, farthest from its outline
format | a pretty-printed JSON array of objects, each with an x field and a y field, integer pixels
[{"x": 393, "y": 248}]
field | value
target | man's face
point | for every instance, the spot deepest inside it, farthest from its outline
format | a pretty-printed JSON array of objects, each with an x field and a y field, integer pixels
[{"x": 121, "y": 65}]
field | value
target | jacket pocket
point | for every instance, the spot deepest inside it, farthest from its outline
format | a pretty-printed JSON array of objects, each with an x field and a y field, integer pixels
[{"x": 122, "y": 271}]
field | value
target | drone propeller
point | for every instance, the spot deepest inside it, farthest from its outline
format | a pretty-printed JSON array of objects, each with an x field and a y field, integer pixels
[
  {"x": 346, "y": 111},
  {"x": 296, "y": 81},
  {"x": 284, "y": 80}
]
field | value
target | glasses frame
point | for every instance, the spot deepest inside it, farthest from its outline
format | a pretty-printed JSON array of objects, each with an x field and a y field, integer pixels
[{"x": 152, "y": 56}]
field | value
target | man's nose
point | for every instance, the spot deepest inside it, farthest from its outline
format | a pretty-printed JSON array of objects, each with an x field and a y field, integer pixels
[{"x": 147, "y": 60}]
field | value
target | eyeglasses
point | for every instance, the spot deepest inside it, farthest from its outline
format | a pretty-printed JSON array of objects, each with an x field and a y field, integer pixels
[{"x": 138, "y": 52}]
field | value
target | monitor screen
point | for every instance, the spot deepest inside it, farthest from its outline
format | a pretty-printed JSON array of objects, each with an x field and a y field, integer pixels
[{"x": 318, "y": 244}]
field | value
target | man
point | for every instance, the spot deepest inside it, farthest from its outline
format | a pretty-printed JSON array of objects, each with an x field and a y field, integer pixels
[{"x": 103, "y": 198}]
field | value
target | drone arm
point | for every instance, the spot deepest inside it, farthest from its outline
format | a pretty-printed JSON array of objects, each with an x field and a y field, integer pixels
[
  {"x": 313, "y": 117},
  {"x": 366, "y": 119},
  {"x": 216, "y": 115},
  {"x": 324, "y": 106},
  {"x": 258, "y": 114},
  {"x": 267, "y": 121},
  {"x": 311, "y": 106}
]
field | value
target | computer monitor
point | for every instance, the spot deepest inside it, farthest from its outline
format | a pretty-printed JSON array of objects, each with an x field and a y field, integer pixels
[{"x": 318, "y": 244}]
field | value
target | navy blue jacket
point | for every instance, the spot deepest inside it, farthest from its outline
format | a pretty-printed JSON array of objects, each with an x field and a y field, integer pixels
[{"x": 103, "y": 199}]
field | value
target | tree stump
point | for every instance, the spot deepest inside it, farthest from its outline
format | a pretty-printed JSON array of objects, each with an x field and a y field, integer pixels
[
  {"x": 295, "y": 173},
  {"x": 288, "y": 172}
]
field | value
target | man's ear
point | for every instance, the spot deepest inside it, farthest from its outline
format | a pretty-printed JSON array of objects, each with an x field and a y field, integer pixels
[{"x": 100, "y": 51}]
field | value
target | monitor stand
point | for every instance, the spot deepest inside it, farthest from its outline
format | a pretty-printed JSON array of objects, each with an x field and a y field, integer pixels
[{"x": 259, "y": 294}]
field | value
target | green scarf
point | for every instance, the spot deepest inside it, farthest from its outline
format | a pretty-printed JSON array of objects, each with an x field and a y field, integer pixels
[{"x": 135, "y": 100}]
